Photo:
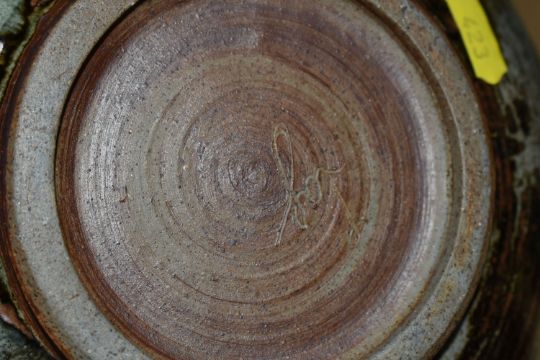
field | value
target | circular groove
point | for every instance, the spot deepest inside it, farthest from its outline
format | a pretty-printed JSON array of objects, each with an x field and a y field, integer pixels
[{"x": 277, "y": 194}]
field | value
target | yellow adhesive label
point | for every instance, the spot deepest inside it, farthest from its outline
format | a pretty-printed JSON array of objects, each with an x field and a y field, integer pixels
[{"x": 480, "y": 41}]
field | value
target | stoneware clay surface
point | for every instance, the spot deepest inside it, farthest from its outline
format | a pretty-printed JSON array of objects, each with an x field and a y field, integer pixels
[{"x": 243, "y": 179}]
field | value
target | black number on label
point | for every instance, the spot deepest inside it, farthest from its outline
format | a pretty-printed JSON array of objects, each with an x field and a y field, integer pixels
[{"x": 476, "y": 37}]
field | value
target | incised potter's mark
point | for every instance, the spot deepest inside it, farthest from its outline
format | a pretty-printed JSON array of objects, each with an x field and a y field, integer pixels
[{"x": 311, "y": 191}]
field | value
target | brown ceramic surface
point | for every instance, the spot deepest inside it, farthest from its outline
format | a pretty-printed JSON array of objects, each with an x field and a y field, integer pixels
[
  {"x": 253, "y": 180},
  {"x": 258, "y": 179}
]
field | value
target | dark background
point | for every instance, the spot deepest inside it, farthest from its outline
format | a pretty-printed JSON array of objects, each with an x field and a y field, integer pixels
[{"x": 529, "y": 10}]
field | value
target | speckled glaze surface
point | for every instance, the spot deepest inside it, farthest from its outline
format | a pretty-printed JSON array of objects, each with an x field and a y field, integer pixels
[
  {"x": 251, "y": 179},
  {"x": 272, "y": 184}
]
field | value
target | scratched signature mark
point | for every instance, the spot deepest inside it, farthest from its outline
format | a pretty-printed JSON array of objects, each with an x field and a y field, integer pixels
[{"x": 310, "y": 192}]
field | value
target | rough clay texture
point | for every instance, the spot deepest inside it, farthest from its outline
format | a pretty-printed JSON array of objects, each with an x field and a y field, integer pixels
[
  {"x": 15, "y": 28},
  {"x": 516, "y": 144},
  {"x": 14, "y": 346}
]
